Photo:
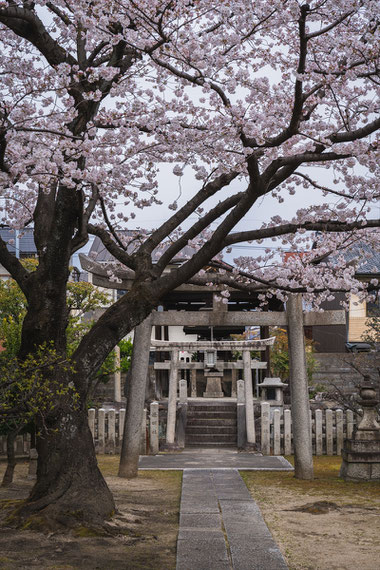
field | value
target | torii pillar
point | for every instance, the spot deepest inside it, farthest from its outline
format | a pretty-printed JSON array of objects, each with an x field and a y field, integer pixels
[{"x": 303, "y": 453}]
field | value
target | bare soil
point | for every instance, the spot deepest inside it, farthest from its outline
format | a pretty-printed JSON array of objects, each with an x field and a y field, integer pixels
[
  {"x": 325, "y": 524},
  {"x": 146, "y": 527}
]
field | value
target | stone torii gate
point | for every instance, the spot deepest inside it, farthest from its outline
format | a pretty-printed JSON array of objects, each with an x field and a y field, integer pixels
[
  {"x": 212, "y": 379},
  {"x": 294, "y": 318}
]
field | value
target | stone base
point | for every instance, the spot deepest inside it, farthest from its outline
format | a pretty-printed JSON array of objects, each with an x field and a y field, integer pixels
[
  {"x": 170, "y": 447},
  {"x": 361, "y": 460},
  {"x": 213, "y": 387},
  {"x": 359, "y": 471},
  {"x": 213, "y": 395},
  {"x": 250, "y": 448}
]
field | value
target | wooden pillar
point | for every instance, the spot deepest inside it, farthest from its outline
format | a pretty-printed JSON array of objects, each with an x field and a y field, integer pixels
[
  {"x": 303, "y": 454},
  {"x": 129, "y": 458}
]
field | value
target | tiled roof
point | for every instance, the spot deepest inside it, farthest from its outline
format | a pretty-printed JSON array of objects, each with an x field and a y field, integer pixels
[{"x": 366, "y": 257}]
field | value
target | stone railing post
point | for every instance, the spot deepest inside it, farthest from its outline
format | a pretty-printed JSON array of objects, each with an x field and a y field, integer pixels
[
  {"x": 350, "y": 424},
  {"x": 339, "y": 431},
  {"x": 318, "y": 433},
  {"x": 91, "y": 422},
  {"x": 250, "y": 420},
  {"x": 276, "y": 432},
  {"x": 111, "y": 440},
  {"x": 172, "y": 400},
  {"x": 241, "y": 421},
  {"x": 154, "y": 423},
  {"x": 265, "y": 428},
  {"x": 287, "y": 432},
  {"x": 183, "y": 391},
  {"x": 101, "y": 430},
  {"x": 143, "y": 434},
  {"x": 193, "y": 383},
  {"x": 182, "y": 414},
  {"x": 329, "y": 432},
  {"x": 121, "y": 424}
]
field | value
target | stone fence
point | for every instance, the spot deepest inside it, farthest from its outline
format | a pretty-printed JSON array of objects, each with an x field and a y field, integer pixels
[{"x": 273, "y": 430}]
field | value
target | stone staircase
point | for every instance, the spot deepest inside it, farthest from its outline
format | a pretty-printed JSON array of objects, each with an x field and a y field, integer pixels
[{"x": 211, "y": 425}]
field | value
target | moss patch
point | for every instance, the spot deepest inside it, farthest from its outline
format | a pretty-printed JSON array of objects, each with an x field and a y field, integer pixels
[{"x": 326, "y": 480}]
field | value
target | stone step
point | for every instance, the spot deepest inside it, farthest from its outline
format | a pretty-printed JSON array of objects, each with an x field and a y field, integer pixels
[
  {"x": 211, "y": 425},
  {"x": 211, "y": 415},
  {"x": 213, "y": 407},
  {"x": 217, "y": 444},
  {"x": 211, "y": 421},
  {"x": 210, "y": 430},
  {"x": 211, "y": 438}
]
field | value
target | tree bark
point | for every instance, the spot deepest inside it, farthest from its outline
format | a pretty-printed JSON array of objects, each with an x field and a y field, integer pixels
[
  {"x": 70, "y": 489},
  {"x": 303, "y": 454},
  {"x": 11, "y": 458},
  {"x": 129, "y": 458}
]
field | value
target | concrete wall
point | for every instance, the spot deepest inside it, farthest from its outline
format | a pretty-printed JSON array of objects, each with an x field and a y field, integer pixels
[{"x": 337, "y": 369}]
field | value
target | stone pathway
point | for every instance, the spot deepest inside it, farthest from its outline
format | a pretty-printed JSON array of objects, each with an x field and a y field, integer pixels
[
  {"x": 221, "y": 527},
  {"x": 214, "y": 459}
]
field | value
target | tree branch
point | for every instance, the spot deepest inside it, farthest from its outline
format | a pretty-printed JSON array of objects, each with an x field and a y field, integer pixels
[
  {"x": 26, "y": 24},
  {"x": 324, "y": 226},
  {"x": 183, "y": 213},
  {"x": 119, "y": 253},
  {"x": 14, "y": 267},
  {"x": 196, "y": 228}
]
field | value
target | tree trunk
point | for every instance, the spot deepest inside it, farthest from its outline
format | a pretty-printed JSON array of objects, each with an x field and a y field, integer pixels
[
  {"x": 129, "y": 458},
  {"x": 70, "y": 489},
  {"x": 303, "y": 454},
  {"x": 11, "y": 457}
]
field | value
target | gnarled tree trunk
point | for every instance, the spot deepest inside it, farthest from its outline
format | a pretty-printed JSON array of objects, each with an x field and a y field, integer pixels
[{"x": 70, "y": 489}]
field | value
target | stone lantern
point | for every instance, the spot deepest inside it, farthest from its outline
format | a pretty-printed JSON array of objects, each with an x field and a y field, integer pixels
[
  {"x": 361, "y": 454},
  {"x": 213, "y": 376},
  {"x": 272, "y": 391},
  {"x": 210, "y": 358}
]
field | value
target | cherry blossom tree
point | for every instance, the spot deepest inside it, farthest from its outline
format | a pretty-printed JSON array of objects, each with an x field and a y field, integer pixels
[{"x": 255, "y": 98}]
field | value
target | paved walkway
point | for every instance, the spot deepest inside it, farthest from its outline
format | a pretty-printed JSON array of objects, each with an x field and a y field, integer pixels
[
  {"x": 214, "y": 459},
  {"x": 221, "y": 527}
]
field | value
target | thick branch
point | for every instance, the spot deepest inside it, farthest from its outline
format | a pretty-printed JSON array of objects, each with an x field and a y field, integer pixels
[
  {"x": 183, "y": 213},
  {"x": 25, "y": 23},
  {"x": 357, "y": 134},
  {"x": 119, "y": 253},
  {"x": 196, "y": 228},
  {"x": 324, "y": 226},
  {"x": 14, "y": 267},
  {"x": 169, "y": 281},
  {"x": 296, "y": 115}
]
